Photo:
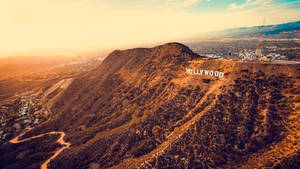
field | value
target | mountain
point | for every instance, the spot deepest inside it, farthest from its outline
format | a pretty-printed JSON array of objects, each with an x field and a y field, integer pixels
[
  {"x": 141, "y": 109},
  {"x": 286, "y": 30}
]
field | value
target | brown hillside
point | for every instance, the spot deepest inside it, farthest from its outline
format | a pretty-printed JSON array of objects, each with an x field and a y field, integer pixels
[{"x": 140, "y": 109}]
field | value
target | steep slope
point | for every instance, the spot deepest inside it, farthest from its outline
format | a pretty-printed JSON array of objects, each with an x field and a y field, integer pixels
[{"x": 140, "y": 109}]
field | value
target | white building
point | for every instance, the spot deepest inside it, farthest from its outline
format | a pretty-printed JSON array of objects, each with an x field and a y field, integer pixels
[{"x": 247, "y": 54}]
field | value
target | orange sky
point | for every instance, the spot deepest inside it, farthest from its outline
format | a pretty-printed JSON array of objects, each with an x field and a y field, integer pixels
[{"x": 72, "y": 27}]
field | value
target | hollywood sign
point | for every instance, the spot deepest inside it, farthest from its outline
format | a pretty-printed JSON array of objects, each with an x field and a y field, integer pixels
[{"x": 205, "y": 72}]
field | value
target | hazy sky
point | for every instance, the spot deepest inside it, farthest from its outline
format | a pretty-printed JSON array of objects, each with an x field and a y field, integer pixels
[{"x": 55, "y": 27}]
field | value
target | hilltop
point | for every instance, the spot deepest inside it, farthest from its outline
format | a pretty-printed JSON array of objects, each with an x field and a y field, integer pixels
[{"x": 140, "y": 109}]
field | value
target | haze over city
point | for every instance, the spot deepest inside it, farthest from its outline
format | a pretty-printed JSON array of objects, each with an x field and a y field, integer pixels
[
  {"x": 72, "y": 27},
  {"x": 143, "y": 84}
]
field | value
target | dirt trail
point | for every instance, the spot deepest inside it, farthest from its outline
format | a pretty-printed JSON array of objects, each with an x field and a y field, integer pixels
[
  {"x": 62, "y": 84},
  {"x": 213, "y": 89},
  {"x": 57, "y": 152},
  {"x": 177, "y": 133},
  {"x": 279, "y": 151},
  {"x": 60, "y": 141}
]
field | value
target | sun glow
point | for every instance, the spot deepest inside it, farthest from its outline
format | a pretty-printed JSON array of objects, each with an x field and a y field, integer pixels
[{"x": 52, "y": 27}]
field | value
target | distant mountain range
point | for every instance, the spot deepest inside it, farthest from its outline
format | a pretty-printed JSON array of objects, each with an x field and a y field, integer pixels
[{"x": 286, "y": 30}]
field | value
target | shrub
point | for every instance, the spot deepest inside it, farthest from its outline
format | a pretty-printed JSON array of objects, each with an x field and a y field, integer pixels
[{"x": 156, "y": 130}]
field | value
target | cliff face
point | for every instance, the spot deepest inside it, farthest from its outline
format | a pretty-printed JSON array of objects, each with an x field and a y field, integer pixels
[{"x": 140, "y": 108}]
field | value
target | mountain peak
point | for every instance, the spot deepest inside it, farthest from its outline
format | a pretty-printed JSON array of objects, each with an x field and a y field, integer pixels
[
  {"x": 174, "y": 44},
  {"x": 175, "y": 50},
  {"x": 175, "y": 47}
]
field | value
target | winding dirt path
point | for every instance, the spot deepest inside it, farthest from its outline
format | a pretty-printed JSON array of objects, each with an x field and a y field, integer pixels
[
  {"x": 176, "y": 134},
  {"x": 60, "y": 140},
  {"x": 63, "y": 84}
]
